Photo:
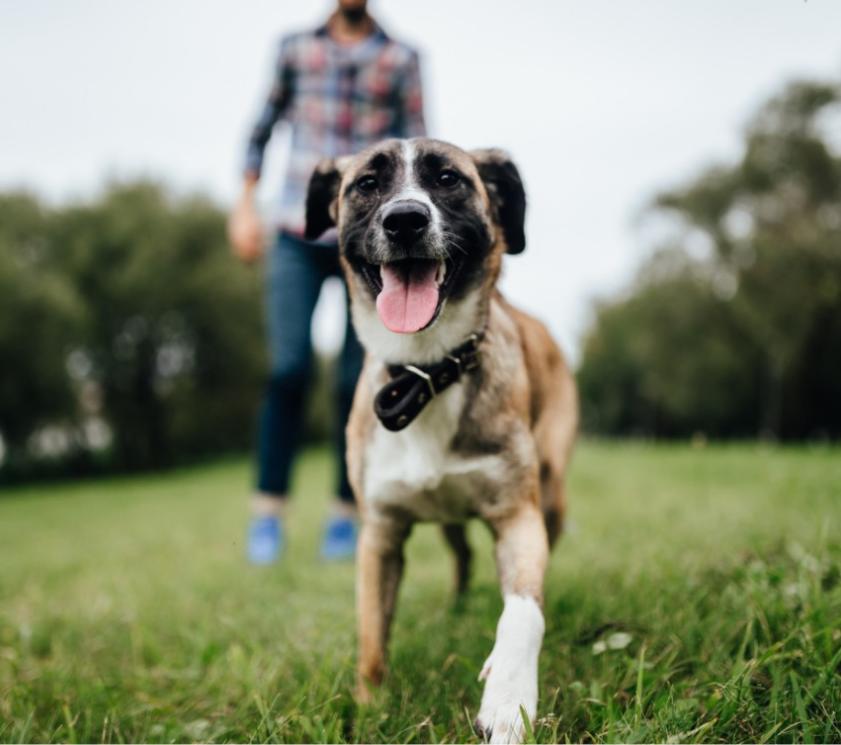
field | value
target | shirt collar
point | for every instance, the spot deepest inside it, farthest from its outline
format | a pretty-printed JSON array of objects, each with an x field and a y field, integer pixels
[{"x": 378, "y": 33}]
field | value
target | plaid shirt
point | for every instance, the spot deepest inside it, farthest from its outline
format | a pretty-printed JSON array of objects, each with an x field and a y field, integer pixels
[{"x": 338, "y": 99}]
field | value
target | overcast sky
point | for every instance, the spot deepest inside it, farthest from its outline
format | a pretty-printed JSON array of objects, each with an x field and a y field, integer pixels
[{"x": 601, "y": 104}]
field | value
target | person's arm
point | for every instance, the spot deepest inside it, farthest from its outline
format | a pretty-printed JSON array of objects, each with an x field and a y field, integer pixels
[
  {"x": 245, "y": 229},
  {"x": 411, "y": 120}
]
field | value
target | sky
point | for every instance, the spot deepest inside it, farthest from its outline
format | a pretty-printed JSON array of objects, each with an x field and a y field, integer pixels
[{"x": 602, "y": 104}]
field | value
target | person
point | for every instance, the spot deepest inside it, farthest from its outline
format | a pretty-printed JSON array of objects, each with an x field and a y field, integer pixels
[{"x": 340, "y": 88}]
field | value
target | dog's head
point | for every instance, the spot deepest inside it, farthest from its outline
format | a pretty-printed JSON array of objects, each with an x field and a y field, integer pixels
[{"x": 422, "y": 228}]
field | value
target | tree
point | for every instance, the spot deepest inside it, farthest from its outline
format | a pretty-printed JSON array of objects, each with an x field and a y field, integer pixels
[
  {"x": 174, "y": 338},
  {"x": 669, "y": 360},
  {"x": 127, "y": 310},
  {"x": 41, "y": 315},
  {"x": 769, "y": 290}
]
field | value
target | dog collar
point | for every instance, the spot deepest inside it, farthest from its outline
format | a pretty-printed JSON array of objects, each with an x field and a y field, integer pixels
[{"x": 412, "y": 387}]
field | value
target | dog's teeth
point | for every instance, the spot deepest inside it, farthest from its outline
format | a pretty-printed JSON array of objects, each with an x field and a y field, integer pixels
[{"x": 439, "y": 275}]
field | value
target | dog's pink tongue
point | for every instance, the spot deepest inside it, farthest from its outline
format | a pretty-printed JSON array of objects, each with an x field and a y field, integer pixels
[{"x": 407, "y": 301}]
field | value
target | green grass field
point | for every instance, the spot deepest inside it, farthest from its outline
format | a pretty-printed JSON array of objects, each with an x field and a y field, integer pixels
[{"x": 695, "y": 597}]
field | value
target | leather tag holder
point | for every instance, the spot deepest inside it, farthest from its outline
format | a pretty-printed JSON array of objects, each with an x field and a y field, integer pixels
[{"x": 411, "y": 388}]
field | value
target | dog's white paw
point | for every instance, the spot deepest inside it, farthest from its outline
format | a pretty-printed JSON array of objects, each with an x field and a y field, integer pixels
[
  {"x": 510, "y": 672},
  {"x": 500, "y": 719}
]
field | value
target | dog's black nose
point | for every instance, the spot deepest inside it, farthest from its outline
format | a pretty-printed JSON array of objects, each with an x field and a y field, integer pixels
[{"x": 406, "y": 221}]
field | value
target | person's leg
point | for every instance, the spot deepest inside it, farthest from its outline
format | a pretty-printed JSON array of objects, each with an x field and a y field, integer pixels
[
  {"x": 347, "y": 374},
  {"x": 294, "y": 280},
  {"x": 340, "y": 536}
]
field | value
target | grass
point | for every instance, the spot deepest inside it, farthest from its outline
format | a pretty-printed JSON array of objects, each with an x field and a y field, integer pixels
[{"x": 696, "y": 597}]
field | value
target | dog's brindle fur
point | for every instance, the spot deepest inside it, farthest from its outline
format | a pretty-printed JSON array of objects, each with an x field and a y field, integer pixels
[{"x": 495, "y": 445}]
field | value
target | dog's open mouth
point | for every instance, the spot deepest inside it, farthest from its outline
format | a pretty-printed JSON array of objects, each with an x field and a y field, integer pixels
[{"x": 410, "y": 293}]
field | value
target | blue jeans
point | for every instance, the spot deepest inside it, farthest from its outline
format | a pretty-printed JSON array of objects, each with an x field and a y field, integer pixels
[{"x": 296, "y": 271}]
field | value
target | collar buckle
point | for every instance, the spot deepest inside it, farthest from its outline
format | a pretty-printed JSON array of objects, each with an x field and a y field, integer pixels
[{"x": 424, "y": 376}]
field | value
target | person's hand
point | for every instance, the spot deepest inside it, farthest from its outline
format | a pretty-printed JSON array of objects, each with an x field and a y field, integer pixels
[{"x": 245, "y": 230}]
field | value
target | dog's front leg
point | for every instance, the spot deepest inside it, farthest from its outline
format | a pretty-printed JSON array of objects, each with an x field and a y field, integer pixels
[
  {"x": 379, "y": 569},
  {"x": 510, "y": 672}
]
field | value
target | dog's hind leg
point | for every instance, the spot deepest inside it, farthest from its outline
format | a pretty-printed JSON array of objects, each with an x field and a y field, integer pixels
[
  {"x": 555, "y": 436},
  {"x": 554, "y": 507},
  {"x": 456, "y": 537}
]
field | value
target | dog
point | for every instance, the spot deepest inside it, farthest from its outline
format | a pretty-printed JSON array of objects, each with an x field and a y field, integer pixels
[{"x": 465, "y": 406}]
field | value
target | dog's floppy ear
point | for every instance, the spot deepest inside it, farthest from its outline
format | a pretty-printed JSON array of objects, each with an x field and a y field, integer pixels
[
  {"x": 508, "y": 197},
  {"x": 322, "y": 198}
]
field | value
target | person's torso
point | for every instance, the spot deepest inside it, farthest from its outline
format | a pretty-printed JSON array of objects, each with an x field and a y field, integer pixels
[{"x": 344, "y": 98}]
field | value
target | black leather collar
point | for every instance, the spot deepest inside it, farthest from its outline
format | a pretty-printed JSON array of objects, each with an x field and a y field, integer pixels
[{"x": 412, "y": 387}]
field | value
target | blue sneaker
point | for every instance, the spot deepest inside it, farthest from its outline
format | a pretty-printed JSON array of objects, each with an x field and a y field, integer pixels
[
  {"x": 339, "y": 539},
  {"x": 265, "y": 539}
]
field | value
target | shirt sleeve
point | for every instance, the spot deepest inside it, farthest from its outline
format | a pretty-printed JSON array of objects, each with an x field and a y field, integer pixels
[
  {"x": 410, "y": 116},
  {"x": 275, "y": 107}
]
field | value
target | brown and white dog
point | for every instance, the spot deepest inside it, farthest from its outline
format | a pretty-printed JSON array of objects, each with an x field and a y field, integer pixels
[{"x": 465, "y": 406}]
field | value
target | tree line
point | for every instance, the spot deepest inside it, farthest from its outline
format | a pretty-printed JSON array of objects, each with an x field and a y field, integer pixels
[
  {"x": 130, "y": 338},
  {"x": 128, "y": 334},
  {"x": 733, "y": 327}
]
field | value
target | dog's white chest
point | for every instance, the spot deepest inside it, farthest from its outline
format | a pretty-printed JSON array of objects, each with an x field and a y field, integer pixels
[{"x": 416, "y": 469}]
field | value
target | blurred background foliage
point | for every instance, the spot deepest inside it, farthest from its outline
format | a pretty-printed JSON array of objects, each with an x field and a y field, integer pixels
[
  {"x": 733, "y": 328},
  {"x": 131, "y": 339}
]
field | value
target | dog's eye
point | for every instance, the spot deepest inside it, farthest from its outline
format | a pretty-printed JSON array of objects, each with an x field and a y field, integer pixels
[
  {"x": 367, "y": 184},
  {"x": 448, "y": 178}
]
